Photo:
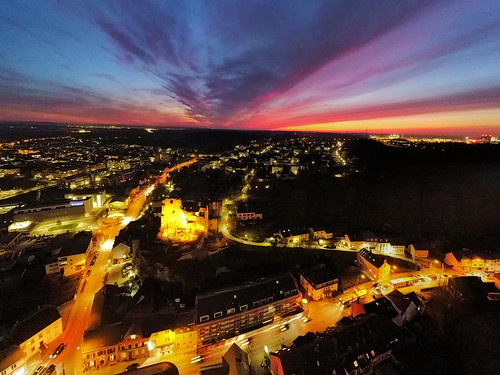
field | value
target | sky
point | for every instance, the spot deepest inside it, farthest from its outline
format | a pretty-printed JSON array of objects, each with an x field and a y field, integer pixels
[{"x": 412, "y": 66}]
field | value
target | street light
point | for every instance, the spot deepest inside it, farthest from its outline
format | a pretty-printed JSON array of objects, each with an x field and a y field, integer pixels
[{"x": 362, "y": 277}]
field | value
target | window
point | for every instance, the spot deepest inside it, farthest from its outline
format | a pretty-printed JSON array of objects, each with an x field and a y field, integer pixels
[
  {"x": 230, "y": 311},
  {"x": 243, "y": 307},
  {"x": 270, "y": 299},
  {"x": 133, "y": 337},
  {"x": 256, "y": 304},
  {"x": 204, "y": 318},
  {"x": 112, "y": 357},
  {"x": 262, "y": 301},
  {"x": 218, "y": 314}
]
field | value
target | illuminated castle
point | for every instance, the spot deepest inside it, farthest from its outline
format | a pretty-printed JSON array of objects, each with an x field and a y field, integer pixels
[{"x": 179, "y": 225}]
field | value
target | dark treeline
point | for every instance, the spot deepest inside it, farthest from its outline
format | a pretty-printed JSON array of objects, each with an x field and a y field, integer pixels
[{"x": 448, "y": 192}]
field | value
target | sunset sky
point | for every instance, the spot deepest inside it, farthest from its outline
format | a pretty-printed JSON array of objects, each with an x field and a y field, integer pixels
[{"x": 378, "y": 66}]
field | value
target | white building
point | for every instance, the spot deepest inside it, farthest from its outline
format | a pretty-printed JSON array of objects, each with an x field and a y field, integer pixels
[
  {"x": 12, "y": 361},
  {"x": 243, "y": 216},
  {"x": 72, "y": 256}
]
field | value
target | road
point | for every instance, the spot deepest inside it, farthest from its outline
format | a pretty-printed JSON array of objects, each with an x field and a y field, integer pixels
[{"x": 70, "y": 359}]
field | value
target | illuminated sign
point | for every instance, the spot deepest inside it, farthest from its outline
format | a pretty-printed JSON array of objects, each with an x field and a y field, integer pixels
[{"x": 76, "y": 203}]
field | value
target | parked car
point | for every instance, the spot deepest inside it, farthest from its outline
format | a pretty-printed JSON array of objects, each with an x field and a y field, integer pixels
[
  {"x": 133, "y": 366},
  {"x": 88, "y": 273},
  {"x": 51, "y": 369},
  {"x": 39, "y": 370}
]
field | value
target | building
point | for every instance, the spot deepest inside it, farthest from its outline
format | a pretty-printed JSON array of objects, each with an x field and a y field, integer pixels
[
  {"x": 182, "y": 225},
  {"x": 473, "y": 262},
  {"x": 320, "y": 234},
  {"x": 496, "y": 280},
  {"x": 294, "y": 236},
  {"x": 121, "y": 252},
  {"x": 318, "y": 282},
  {"x": 12, "y": 361},
  {"x": 95, "y": 200},
  {"x": 136, "y": 338},
  {"x": 363, "y": 238},
  {"x": 75, "y": 206},
  {"x": 107, "y": 345},
  {"x": 170, "y": 332},
  {"x": 72, "y": 255},
  {"x": 387, "y": 249},
  {"x": 163, "y": 368},
  {"x": 37, "y": 332},
  {"x": 357, "y": 347},
  {"x": 244, "y": 216},
  {"x": 234, "y": 362},
  {"x": 407, "y": 306},
  {"x": 418, "y": 250},
  {"x": 376, "y": 265},
  {"x": 226, "y": 313}
]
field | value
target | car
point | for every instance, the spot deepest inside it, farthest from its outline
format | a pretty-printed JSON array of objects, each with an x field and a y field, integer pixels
[
  {"x": 51, "y": 369},
  {"x": 284, "y": 327},
  {"x": 58, "y": 350},
  {"x": 39, "y": 370},
  {"x": 133, "y": 366},
  {"x": 306, "y": 319},
  {"x": 88, "y": 273}
]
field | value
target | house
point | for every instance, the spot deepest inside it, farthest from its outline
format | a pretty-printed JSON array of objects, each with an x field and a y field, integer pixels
[
  {"x": 362, "y": 238},
  {"x": 407, "y": 306},
  {"x": 118, "y": 342},
  {"x": 162, "y": 368},
  {"x": 295, "y": 236},
  {"x": 172, "y": 332},
  {"x": 248, "y": 211},
  {"x": 226, "y": 313},
  {"x": 12, "y": 361},
  {"x": 473, "y": 261},
  {"x": 319, "y": 282},
  {"x": 320, "y": 234},
  {"x": 37, "y": 332},
  {"x": 496, "y": 280},
  {"x": 376, "y": 265},
  {"x": 381, "y": 306},
  {"x": 72, "y": 255},
  {"x": 234, "y": 362},
  {"x": 388, "y": 249},
  {"x": 355, "y": 348},
  {"x": 418, "y": 250}
]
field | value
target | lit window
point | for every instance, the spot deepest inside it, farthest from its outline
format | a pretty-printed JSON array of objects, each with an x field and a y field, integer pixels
[
  {"x": 218, "y": 314},
  {"x": 243, "y": 307}
]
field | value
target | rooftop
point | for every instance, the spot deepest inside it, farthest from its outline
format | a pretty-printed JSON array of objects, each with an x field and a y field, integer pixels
[
  {"x": 78, "y": 244},
  {"x": 29, "y": 327},
  {"x": 222, "y": 300},
  {"x": 318, "y": 274},
  {"x": 375, "y": 259},
  {"x": 10, "y": 356}
]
